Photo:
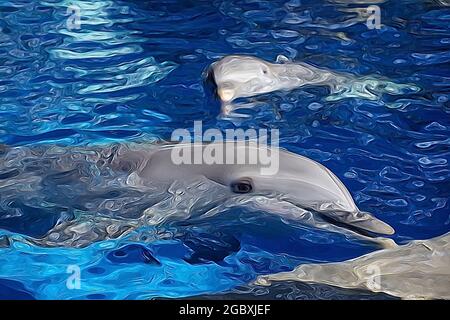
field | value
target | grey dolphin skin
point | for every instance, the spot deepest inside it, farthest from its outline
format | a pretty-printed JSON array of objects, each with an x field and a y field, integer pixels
[
  {"x": 417, "y": 270},
  {"x": 241, "y": 76},
  {"x": 103, "y": 192}
]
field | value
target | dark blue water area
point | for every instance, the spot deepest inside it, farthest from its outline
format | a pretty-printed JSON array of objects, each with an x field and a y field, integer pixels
[
  {"x": 134, "y": 71},
  {"x": 13, "y": 290}
]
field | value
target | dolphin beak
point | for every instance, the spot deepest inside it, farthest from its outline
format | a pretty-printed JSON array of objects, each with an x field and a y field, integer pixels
[
  {"x": 380, "y": 227},
  {"x": 372, "y": 224},
  {"x": 226, "y": 95}
]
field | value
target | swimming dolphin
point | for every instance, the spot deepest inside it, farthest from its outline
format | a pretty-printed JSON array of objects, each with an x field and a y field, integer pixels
[
  {"x": 417, "y": 270},
  {"x": 105, "y": 192},
  {"x": 241, "y": 76}
]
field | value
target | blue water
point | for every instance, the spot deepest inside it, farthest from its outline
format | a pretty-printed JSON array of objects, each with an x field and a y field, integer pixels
[{"x": 133, "y": 72}]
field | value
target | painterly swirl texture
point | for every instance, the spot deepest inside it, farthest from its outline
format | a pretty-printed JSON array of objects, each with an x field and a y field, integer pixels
[{"x": 135, "y": 70}]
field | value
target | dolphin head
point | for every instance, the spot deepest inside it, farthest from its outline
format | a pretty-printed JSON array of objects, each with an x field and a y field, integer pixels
[
  {"x": 296, "y": 179},
  {"x": 241, "y": 76}
]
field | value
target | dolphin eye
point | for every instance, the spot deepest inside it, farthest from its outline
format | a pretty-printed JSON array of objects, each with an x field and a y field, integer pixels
[{"x": 242, "y": 186}]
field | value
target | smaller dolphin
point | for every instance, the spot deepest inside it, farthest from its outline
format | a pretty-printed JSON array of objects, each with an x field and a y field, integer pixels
[{"x": 240, "y": 76}]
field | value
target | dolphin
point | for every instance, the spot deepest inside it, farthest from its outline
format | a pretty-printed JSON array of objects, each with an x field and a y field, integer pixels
[
  {"x": 101, "y": 192},
  {"x": 242, "y": 76},
  {"x": 417, "y": 270}
]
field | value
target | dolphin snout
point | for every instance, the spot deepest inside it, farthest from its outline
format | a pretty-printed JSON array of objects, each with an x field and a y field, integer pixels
[
  {"x": 223, "y": 91},
  {"x": 226, "y": 95}
]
